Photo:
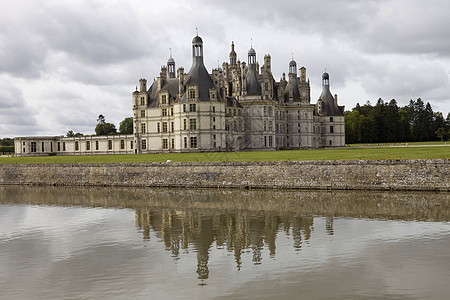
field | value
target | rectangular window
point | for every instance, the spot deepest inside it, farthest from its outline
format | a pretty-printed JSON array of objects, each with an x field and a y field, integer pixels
[
  {"x": 331, "y": 119},
  {"x": 109, "y": 144},
  {"x": 331, "y": 129},
  {"x": 165, "y": 144},
  {"x": 33, "y": 146},
  {"x": 164, "y": 112},
  {"x": 173, "y": 143},
  {"x": 171, "y": 111},
  {"x": 194, "y": 142},
  {"x": 88, "y": 145},
  {"x": 163, "y": 99},
  {"x": 184, "y": 107},
  {"x": 331, "y": 143},
  {"x": 185, "y": 142},
  {"x": 76, "y": 146},
  {"x": 184, "y": 124},
  {"x": 43, "y": 149},
  {"x": 59, "y": 146},
  {"x": 270, "y": 111},
  {"x": 214, "y": 119},
  {"x": 122, "y": 144},
  {"x": 265, "y": 111},
  {"x": 142, "y": 113},
  {"x": 265, "y": 125},
  {"x": 164, "y": 126},
  {"x": 270, "y": 125},
  {"x": 270, "y": 141},
  {"x": 64, "y": 146},
  {"x": 96, "y": 145},
  {"x": 159, "y": 127},
  {"x": 144, "y": 144},
  {"x": 143, "y": 128},
  {"x": 142, "y": 100},
  {"x": 213, "y": 109},
  {"x": 193, "y": 124},
  {"x": 131, "y": 145},
  {"x": 172, "y": 127},
  {"x": 192, "y": 107},
  {"x": 191, "y": 94},
  {"x": 265, "y": 141}
]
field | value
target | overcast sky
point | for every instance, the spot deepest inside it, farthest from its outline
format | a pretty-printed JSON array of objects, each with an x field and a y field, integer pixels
[{"x": 62, "y": 63}]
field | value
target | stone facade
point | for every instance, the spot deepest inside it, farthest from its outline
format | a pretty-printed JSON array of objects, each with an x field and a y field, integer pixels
[
  {"x": 426, "y": 175},
  {"x": 237, "y": 107}
]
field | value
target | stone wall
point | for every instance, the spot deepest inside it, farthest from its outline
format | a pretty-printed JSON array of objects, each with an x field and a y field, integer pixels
[{"x": 345, "y": 175}]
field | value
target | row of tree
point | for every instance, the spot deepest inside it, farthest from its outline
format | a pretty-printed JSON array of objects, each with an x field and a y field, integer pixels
[
  {"x": 386, "y": 122},
  {"x": 104, "y": 128}
]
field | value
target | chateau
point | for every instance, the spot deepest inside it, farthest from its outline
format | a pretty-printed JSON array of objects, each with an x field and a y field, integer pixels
[{"x": 237, "y": 107}]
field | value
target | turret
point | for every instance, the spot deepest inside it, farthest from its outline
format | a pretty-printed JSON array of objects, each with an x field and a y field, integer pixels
[
  {"x": 252, "y": 84},
  {"x": 142, "y": 85},
  {"x": 170, "y": 67},
  {"x": 233, "y": 55}
]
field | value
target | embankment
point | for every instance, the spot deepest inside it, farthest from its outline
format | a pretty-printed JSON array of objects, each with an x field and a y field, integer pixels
[{"x": 419, "y": 175}]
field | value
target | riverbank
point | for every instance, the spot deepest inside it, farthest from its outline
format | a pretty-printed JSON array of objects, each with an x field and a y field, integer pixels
[{"x": 414, "y": 175}]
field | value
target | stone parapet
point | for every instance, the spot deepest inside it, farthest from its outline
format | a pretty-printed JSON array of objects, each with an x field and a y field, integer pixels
[{"x": 424, "y": 175}]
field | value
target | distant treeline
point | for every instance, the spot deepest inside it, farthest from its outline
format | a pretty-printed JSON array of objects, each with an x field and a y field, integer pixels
[{"x": 386, "y": 122}]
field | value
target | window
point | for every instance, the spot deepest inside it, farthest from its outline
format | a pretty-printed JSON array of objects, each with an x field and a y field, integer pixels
[
  {"x": 270, "y": 125},
  {"x": 214, "y": 136},
  {"x": 173, "y": 143},
  {"x": 96, "y": 145},
  {"x": 331, "y": 129},
  {"x": 265, "y": 110},
  {"x": 163, "y": 99},
  {"x": 172, "y": 127},
  {"x": 265, "y": 125},
  {"x": 64, "y": 146},
  {"x": 234, "y": 112},
  {"x": 184, "y": 124},
  {"x": 227, "y": 127},
  {"x": 266, "y": 86},
  {"x": 214, "y": 119},
  {"x": 171, "y": 111},
  {"x": 131, "y": 145},
  {"x": 194, "y": 142},
  {"x": 331, "y": 143},
  {"x": 270, "y": 111},
  {"x": 192, "y": 107},
  {"x": 164, "y": 126},
  {"x": 88, "y": 145},
  {"x": 159, "y": 127},
  {"x": 185, "y": 142},
  {"x": 191, "y": 94},
  {"x": 265, "y": 141},
  {"x": 43, "y": 149},
  {"x": 164, "y": 112},
  {"x": 142, "y": 100},
  {"x": 109, "y": 144},
  {"x": 143, "y": 128},
  {"x": 122, "y": 144},
  {"x": 184, "y": 107},
  {"x": 213, "y": 109},
  {"x": 77, "y": 146},
  {"x": 142, "y": 113},
  {"x": 270, "y": 141},
  {"x": 193, "y": 124},
  {"x": 331, "y": 119},
  {"x": 144, "y": 144},
  {"x": 214, "y": 126},
  {"x": 59, "y": 146},
  {"x": 165, "y": 144},
  {"x": 33, "y": 146}
]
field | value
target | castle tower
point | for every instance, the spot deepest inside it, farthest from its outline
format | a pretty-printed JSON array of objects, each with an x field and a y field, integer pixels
[
  {"x": 253, "y": 86},
  {"x": 233, "y": 55},
  {"x": 291, "y": 93},
  {"x": 328, "y": 105},
  {"x": 170, "y": 67}
]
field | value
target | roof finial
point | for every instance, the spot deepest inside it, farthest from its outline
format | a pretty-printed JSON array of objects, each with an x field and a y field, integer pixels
[
  {"x": 251, "y": 42},
  {"x": 292, "y": 55},
  {"x": 170, "y": 49},
  {"x": 196, "y": 30}
]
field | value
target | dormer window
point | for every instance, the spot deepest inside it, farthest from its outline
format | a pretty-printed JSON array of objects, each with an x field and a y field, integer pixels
[
  {"x": 191, "y": 94},
  {"x": 163, "y": 99},
  {"x": 142, "y": 100}
]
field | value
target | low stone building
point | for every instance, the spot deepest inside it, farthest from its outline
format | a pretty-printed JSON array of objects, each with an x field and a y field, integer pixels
[{"x": 237, "y": 107}]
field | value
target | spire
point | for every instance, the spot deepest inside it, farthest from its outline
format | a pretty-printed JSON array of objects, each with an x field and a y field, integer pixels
[
  {"x": 233, "y": 55},
  {"x": 170, "y": 66}
]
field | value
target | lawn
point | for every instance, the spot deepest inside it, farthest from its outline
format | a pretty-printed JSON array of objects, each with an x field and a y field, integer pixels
[{"x": 348, "y": 153}]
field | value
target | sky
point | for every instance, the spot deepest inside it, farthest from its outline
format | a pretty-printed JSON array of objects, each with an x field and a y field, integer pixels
[{"x": 63, "y": 63}]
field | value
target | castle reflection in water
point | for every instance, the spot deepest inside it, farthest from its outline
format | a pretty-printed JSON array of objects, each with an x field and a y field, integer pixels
[
  {"x": 233, "y": 231},
  {"x": 237, "y": 221}
]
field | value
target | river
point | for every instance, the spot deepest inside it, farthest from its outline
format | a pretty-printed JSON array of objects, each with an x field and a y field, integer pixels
[{"x": 142, "y": 243}]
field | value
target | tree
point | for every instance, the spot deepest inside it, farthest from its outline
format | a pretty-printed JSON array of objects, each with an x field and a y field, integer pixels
[
  {"x": 105, "y": 129},
  {"x": 70, "y": 133},
  {"x": 441, "y": 133},
  {"x": 101, "y": 119},
  {"x": 7, "y": 142},
  {"x": 126, "y": 126}
]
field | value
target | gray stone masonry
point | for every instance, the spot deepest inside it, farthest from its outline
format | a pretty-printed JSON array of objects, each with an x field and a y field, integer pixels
[{"x": 424, "y": 175}]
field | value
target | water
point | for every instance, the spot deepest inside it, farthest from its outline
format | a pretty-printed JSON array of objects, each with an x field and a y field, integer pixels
[{"x": 103, "y": 243}]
